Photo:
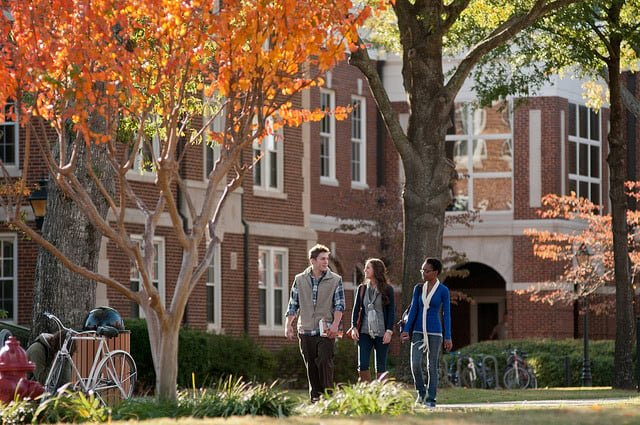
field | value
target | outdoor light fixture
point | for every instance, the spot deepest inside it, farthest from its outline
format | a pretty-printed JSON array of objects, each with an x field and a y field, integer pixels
[
  {"x": 584, "y": 259},
  {"x": 38, "y": 201}
]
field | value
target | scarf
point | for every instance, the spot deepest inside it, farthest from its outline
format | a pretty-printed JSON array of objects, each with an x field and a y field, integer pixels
[{"x": 426, "y": 300}]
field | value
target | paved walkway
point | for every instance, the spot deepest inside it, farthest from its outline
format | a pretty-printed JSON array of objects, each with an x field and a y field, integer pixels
[{"x": 533, "y": 403}]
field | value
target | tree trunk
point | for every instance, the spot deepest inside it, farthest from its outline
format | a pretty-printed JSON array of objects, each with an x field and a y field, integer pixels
[
  {"x": 617, "y": 160},
  {"x": 166, "y": 361},
  {"x": 57, "y": 289}
]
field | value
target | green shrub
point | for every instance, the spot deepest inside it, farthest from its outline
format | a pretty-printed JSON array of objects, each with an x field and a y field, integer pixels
[
  {"x": 547, "y": 356},
  {"x": 73, "y": 407},
  {"x": 231, "y": 396},
  {"x": 375, "y": 398},
  {"x": 208, "y": 357},
  {"x": 18, "y": 412}
]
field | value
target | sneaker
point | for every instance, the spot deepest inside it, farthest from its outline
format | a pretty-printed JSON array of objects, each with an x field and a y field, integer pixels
[
  {"x": 420, "y": 401},
  {"x": 430, "y": 404}
]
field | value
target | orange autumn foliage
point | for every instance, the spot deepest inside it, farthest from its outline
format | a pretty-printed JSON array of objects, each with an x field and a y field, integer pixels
[
  {"x": 111, "y": 57},
  {"x": 586, "y": 232}
]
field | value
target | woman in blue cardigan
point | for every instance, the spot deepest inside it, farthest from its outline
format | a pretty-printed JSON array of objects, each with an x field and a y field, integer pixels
[
  {"x": 372, "y": 318},
  {"x": 435, "y": 296}
]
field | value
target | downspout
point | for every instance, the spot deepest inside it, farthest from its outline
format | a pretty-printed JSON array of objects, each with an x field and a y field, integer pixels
[
  {"x": 245, "y": 224},
  {"x": 381, "y": 131}
]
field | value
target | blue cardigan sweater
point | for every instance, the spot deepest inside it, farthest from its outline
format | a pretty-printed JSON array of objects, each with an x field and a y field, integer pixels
[{"x": 440, "y": 300}]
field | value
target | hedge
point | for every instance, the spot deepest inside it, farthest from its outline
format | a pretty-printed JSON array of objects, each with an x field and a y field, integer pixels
[
  {"x": 547, "y": 356},
  {"x": 207, "y": 356}
]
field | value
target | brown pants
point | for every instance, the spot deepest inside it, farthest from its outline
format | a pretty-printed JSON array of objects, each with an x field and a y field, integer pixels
[{"x": 317, "y": 353}]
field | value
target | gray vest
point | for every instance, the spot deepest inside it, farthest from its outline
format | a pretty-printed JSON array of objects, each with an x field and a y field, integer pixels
[{"x": 308, "y": 315}]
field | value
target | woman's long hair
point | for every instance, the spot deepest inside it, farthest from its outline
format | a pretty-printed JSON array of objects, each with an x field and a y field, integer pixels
[{"x": 380, "y": 276}]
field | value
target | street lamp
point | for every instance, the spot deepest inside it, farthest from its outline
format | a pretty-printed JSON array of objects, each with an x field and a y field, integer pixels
[
  {"x": 38, "y": 201},
  {"x": 584, "y": 258}
]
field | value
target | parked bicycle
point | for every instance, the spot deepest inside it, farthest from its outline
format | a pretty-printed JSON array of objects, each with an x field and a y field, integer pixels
[
  {"x": 112, "y": 375},
  {"x": 477, "y": 373},
  {"x": 518, "y": 374},
  {"x": 448, "y": 371}
]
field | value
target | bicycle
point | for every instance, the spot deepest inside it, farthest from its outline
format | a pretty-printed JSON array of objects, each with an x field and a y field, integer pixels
[
  {"x": 112, "y": 375},
  {"x": 476, "y": 374},
  {"x": 448, "y": 373},
  {"x": 518, "y": 374}
]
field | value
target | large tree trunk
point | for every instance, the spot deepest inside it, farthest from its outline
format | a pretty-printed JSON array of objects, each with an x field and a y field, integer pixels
[
  {"x": 617, "y": 160},
  {"x": 57, "y": 289}
]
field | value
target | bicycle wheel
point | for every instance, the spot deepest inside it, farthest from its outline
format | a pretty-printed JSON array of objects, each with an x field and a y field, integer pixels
[
  {"x": 469, "y": 378},
  {"x": 55, "y": 375},
  {"x": 115, "y": 377},
  {"x": 516, "y": 378},
  {"x": 488, "y": 380}
]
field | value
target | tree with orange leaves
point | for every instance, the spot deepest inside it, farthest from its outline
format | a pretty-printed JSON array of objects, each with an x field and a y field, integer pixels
[
  {"x": 587, "y": 236},
  {"x": 142, "y": 68}
]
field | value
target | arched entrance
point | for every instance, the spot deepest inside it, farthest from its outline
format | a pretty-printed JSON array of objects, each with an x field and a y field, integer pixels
[{"x": 474, "y": 319}]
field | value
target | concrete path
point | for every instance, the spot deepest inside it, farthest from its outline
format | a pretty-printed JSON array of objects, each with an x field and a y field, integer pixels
[{"x": 533, "y": 403}]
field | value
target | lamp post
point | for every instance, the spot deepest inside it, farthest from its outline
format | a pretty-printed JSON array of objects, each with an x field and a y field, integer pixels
[
  {"x": 38, "y": 201},
  {"x": 584, "y": 259}
]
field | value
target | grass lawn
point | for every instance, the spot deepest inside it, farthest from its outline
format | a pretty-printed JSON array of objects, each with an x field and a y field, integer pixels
[
  {"x": 462, "y": 395},
  {"x": 624, "y": 412}
]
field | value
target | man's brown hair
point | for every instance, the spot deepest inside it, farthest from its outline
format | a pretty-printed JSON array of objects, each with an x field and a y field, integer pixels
[{"x": 316, "y": 250}]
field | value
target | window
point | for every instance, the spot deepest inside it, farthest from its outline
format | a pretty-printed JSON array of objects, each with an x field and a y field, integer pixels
[
  {"x": 214, "y": 316},
  {"x": 482, "y": 149},
  {"x": 211, "y": 148},
  {"x": 8, "y": 275},
  {"x": 149, "y": 148},
  {"x": 358, "y": 142},
  {"x": 272, "y": 287},
  {"x": 585, "y": 153},
  {"x": 9, "y": 136},
  {"x": 268, "y": 170},
  {"x": 157, "y": 274},
  {"x": 327, "y": 138}
]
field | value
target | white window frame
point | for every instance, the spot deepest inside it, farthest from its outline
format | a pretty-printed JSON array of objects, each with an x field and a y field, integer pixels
[
  {"x": 216, "y": 325},
  {"x": 469, "y": 148},
  {"x": 582, "y": 141},
  {"x": 271, "y": 143},
  {"x": 270, "y": 328},
  {"x": 159, "y": 241},
  {"x": 12, "y": 127},
  {"x": 211, "y": 154},
  {"x": 136, "y": 172},
  {"x": 330, "y": 136},
  {"x": 359, "y": 142},
  {"x": 13, "y": 238}
]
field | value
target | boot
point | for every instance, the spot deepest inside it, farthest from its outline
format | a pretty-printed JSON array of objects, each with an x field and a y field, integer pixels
[
  {"x": 382, "y": 376},
  {"x": 364, "y": 375}
]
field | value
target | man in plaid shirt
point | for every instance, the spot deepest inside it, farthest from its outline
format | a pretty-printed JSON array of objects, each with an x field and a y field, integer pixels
[{"x": 317, "y": 295}]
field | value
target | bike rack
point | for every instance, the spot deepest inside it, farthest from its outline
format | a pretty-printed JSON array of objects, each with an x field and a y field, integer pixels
[{"x": 493, "y": 359}]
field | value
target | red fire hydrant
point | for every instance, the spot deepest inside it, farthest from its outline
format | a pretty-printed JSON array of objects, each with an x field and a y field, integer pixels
[{"x": 14, "y": 366}]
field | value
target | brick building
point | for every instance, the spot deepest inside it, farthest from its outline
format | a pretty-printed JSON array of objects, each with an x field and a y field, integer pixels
[{"x": 304, "y": 189}]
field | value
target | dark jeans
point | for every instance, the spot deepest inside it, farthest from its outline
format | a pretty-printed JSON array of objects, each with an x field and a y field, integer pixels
[
  {"x": 430, "y": 390},
  {"x": 317, "y": 353},
  {"x": 365, "y": 345}
]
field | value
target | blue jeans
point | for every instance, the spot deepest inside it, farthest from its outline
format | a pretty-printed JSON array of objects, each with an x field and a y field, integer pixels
[
  {"x": 365, "y": 345},
  {"x": 430, "y": 390}
]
